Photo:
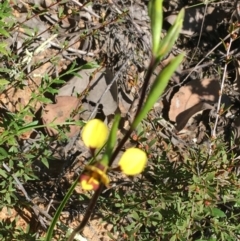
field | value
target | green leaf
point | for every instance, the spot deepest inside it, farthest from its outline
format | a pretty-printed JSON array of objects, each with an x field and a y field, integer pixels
[
  {"x": 29, "y": 125},
  {"x": 3, "y": 82},
  {"x": 3, "y": 173},
  {"x": 60, "y": 11},
  {"x": 135, "y": 215},
  {"x": 110, "y": 235},
  {"x": 217, "y": 213},
  {"x": 45, "y": 162},
  {"x": 44, "y": 100},
  {"x": 3, "y": 49},
  {"x": 8, "y": 198},
  {"x": 4, "y": 32},
  {"x": 168, "y": 41},
  {"x": 156, "y": 15},
  {"x": 58, "y": 81},
  {"x": 173, "y": 238},
  {"x": 3, "y": 153},
  {"x": 157, "y": 88},
  {"x": 51, "y": 90},
  {"x": 210, "y": 176}
]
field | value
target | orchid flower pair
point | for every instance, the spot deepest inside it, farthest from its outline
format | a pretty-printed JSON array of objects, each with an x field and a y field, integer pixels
[{"x": 94, "y": 136}]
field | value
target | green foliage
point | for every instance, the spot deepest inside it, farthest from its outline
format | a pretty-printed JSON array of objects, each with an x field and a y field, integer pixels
[
  {"x": 18, "y": 235},
  {"x": 155, "y": 12},
  {"x": 5, "y": 25},
  {"x": 195, "y": 199}
]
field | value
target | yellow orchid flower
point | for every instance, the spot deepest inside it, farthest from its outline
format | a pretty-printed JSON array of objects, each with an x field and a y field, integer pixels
[
  {"x": 95, "y": 134},
  {"x": 133, "y": 161},
  {"x": 93, "y": 175}
]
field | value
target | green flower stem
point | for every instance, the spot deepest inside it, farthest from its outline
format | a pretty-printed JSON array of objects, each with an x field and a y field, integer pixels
[
  {"x": 59, "y": 210},
  {"x": 111, "y": 142},
  {"x": 157, "y": 89},
  {"x": 150, "y": 70}
]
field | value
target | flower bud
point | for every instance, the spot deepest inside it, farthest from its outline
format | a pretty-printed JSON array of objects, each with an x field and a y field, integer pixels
[
  {"x": 95, "y": 134},
  {"x": 133, "y": 161}
]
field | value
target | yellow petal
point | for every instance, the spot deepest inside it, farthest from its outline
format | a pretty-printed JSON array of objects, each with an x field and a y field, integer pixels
[
  {"x": 133, "y": 161},
  {"x": 93, "y": 176},
  {"x": 99, "y": 172},
  {"x": 95, "y": 134},
  {"x": 90, "y": 184}
]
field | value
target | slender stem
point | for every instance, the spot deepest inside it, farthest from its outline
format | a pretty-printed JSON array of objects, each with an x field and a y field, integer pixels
[
  {"x": 150, "y": 70},
  {"x": 88, "y": 213}
]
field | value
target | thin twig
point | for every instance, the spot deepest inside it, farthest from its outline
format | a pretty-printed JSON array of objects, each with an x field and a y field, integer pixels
[
  {"x": 86, "y": 9},
  {"x": 200, "y": 35},
  {"x": 68, "y": 49},
  {"x": 221, "y": 89}
]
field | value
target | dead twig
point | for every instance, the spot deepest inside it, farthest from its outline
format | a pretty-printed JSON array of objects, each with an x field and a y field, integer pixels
[{"x": 221, "y": 89}]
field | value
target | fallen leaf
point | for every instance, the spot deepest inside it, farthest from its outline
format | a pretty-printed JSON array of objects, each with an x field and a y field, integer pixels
[
  {"x": 58, "y": 113},
  {"x": 195, "y": 96}
]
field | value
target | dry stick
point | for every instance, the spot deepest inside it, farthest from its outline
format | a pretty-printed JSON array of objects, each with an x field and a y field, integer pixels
[
  {"x": 68, "y": 49},
  {"x": 221, "y": 90},
  {"x": 97, "y": 193},
  {"x": 201, "y": 30},
  {"x": 86, "y": 9}
]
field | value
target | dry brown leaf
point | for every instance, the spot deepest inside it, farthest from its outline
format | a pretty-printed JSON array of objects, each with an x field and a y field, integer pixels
[
  {"x": 197, "y": 95},
  {"x": 60, "y": 111}
]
